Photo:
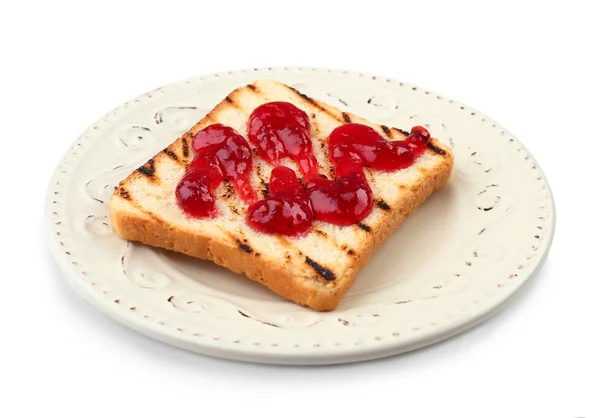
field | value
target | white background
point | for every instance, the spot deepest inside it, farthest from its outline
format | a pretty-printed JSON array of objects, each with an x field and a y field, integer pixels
[{"x": 532, "y": 66}]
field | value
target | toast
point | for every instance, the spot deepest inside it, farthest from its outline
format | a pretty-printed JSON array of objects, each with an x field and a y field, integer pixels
[{"x": 315, "y": 270}]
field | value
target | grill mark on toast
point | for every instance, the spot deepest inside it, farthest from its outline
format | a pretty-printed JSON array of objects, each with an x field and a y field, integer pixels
[
  {"x": 386, "y": 130},
  {"x": 229, "y": 190},
  {"x": 315, "y": 103},
  {"x": 185, "y": 147},
  {"x": 321, "y": 271},
  {"x": 171, "y": 154},
  {"x": 383, "y": 205},
  {"x": 240, "y": 241},
  {"x": 124, "y": 193},
  {"x": 258, "y": 170},
  {"x": 244, "y": 247},
  {"x": 148, "y": 169},
  {"x": 346, "y": 117},
  {"x": 252, "y": 87},
  {"x": 327, "y": 164},
  {"x": 436, "y": 149},
  {"x": 321, "y": 233},
  {"x": 307, "y": 98},
  {"x": 210, "y": 118},
  {"x": 402, "y": 131},
  {"x": 316, "y": 131},
  {"x": 265, "y": 186},
  {"x": 177, "y": 148},
  {"x": 266, "y": 191},
  {"x": 231, "y": 101},
  {"x": 351, "y": 252},
  {"x": 364, "y": 227},
  {"x": 369, "y": 173}
]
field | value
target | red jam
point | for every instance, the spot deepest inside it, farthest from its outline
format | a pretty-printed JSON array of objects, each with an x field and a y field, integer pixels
[
  {"x": 287, "y": 210},
  {"x": 353, "y": 146},
  {"x": 344, "y": 201},
  {"x": 221, "y": 153},
  {"x": 279, "y": 130}
]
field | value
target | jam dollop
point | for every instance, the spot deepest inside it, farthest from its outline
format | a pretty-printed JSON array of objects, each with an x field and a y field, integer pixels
[
  {"x": 287, "y": 210},
  {"x": 344, "y": 201},
  {"x": 353, "y": 146},
  {"x": 279, "y": 130},
  {"x": 220, "y": 153}
]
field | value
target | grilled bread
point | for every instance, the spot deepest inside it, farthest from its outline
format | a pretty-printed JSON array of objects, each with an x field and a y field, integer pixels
[{"x": 315, "y": 270}]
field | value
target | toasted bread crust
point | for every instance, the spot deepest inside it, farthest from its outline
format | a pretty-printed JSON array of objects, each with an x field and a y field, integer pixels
[{"x": 135, "y": 223}]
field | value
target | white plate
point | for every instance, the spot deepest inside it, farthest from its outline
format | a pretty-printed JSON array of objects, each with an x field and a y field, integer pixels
[{"x": 454, "y": 263}]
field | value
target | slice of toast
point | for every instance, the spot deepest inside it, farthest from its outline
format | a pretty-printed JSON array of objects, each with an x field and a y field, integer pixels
[{"x": 315, "y": 270}]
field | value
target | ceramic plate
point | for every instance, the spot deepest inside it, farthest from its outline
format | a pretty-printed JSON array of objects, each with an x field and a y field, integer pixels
[{"x": 455, "y": 262}]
